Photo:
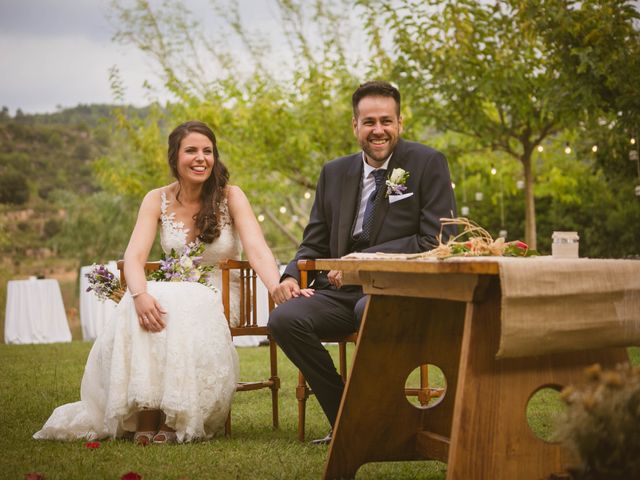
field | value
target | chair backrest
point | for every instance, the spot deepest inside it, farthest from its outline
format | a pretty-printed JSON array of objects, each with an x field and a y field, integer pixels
[
  {"x": 148, "y": 268},
  {"x": 248, "y": 295},
  {"x": 304, "y": 267}
]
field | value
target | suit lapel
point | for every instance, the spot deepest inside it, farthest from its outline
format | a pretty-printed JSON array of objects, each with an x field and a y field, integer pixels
[
  {"x": 396, "y": 161},
  {"x": 349, "y": 196}
]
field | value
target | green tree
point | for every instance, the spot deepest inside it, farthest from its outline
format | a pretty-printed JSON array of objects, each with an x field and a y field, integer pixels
[
  {"x": 275, "y": 128},
  {"x": 97, "y": 226},
  {"x": 486, "y": 70}
]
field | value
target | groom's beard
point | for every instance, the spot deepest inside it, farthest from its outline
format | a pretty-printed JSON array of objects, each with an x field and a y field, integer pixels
[{"x": 379, "y": 155}]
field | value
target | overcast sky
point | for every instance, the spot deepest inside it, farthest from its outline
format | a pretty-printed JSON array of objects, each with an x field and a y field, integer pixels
[{"x": 57, "y": 53}]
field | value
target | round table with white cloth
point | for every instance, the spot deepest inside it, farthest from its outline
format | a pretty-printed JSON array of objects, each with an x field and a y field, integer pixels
[
  {"x": 94, "y": 312},
  {"x": 35, "y": 312}
]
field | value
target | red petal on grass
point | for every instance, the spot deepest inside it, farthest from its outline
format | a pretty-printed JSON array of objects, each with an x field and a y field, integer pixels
[
  {"x": 131, "y": 476},
  {"x": 34, "y": 476},
  {"x": 92, "y": 445}
]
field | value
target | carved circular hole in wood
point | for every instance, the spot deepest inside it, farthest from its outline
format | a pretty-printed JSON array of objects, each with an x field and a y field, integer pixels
[
  {"x": 425, "y": 386},
  {"x": 543, "y": 410}
]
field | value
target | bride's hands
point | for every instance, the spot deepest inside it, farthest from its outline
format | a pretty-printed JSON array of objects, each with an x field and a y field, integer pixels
[{"x": 149, "y": 312}]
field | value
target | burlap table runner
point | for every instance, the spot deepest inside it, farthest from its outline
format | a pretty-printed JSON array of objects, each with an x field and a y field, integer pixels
[{"x": 552, "y": 305}]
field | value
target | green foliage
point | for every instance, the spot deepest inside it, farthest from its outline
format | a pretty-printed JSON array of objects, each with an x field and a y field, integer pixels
[
  {"x": 47, "y": 154},
  {"x": 97, "y": 227},
  {"x": 470, "y": 69},
  {"x": 54, "y": 152},
  {"x": 274, "y": 133},
  {"x": 13, "y": 188},
  {"x": 51, "y": 228},
  {"x": 595, "y": 47},
  {"x": 510, "y": 74},
  {"x": 573, "y": 192},
  {"x": 140, "y": 162}
]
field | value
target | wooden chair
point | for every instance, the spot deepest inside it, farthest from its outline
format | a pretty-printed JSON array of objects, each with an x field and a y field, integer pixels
[
  {"x": 247, "y": 325},
  {"x": 424, "y": 392}
]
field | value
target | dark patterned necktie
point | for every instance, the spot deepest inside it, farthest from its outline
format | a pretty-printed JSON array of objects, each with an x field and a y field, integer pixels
[{"x": 372, "y": 202}]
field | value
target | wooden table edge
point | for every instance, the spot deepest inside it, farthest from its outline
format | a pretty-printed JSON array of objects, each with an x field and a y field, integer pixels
[{"x": 482, "y": 267}]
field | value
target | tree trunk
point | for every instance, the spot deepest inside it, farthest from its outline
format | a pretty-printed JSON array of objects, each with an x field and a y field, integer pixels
[{"x": 529, "y": 203}]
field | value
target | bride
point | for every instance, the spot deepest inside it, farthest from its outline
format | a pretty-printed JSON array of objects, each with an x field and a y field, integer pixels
[{"x": 165, "y": 367}]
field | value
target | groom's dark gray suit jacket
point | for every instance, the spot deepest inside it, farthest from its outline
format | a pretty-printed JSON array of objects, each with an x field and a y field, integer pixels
[{"x": 410, "y": 225}]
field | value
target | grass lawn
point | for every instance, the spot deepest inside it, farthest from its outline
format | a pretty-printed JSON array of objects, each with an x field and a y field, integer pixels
[{"x": 35, "y": 379}]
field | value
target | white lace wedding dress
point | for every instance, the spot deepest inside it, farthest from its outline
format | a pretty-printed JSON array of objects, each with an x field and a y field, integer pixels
[{"x": 189, "y": 370}]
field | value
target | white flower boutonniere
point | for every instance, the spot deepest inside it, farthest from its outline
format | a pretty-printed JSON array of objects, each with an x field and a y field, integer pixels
[{"x": 396, "y": 182}]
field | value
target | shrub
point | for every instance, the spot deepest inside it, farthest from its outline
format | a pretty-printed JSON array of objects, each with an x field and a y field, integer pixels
[
  {"x": 602, "y": 424},
  {"x": 13, "y": 188}
]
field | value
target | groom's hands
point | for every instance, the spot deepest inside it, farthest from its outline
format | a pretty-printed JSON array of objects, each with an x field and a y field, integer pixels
[
  {"x": 288, "y": 289},
  {"x": 335, "y": 278}
]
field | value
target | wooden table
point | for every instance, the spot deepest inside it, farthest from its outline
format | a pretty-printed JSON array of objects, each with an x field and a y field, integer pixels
[{"x": 446, "y": 314}]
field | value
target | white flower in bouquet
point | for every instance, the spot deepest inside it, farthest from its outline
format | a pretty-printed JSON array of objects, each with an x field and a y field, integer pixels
[
  {"x": 186, "y": 262},
  {"x": 185, "y": 267}
]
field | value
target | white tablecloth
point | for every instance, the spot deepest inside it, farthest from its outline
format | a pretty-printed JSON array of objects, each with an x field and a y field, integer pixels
[
  {"x": 35, "y": 313},
  {"x": 94, "y": 313}
]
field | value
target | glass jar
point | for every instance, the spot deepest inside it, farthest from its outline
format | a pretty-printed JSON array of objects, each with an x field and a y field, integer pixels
[{"x": 565, "y": 244}]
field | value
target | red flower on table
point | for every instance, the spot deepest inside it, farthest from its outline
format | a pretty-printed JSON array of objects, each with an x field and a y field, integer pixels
[{"x": 521, "y": 245}]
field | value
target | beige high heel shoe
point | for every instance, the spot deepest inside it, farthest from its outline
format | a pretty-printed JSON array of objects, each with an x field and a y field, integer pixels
[
  {"x": 143, "y": 438},
  {"x": 164, "y": 436}
]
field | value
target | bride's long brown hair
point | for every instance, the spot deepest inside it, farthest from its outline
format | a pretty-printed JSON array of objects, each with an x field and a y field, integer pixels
[{"x": 208, "y": 217}]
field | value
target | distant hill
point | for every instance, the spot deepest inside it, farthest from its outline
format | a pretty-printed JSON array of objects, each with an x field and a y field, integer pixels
[
  {"x": 39, "y": 155},
  {"x": 43, "y": 152}
]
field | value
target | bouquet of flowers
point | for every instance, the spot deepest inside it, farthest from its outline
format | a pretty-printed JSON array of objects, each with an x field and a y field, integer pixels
[
  {"x": 104, "y": 284},
  {"x": 185, "y": 267},
  {"x": 174, "y": 267}
]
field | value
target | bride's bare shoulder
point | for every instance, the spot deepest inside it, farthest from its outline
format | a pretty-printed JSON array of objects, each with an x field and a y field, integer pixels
[
  {"x": 156, "y": 194},
  {"x": 233, "y": 192},
  {"x": 154, "y": 198}
]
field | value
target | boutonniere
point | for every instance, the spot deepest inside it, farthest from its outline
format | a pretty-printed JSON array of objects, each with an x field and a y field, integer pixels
[{"x": 396, "y": 182}]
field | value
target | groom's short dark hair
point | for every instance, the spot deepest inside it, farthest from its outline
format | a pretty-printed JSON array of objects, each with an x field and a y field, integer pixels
[{"x": 375, "y": 88}]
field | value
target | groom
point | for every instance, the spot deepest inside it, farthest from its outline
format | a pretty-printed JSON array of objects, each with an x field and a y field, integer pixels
[{"x": 356, "y": 211}]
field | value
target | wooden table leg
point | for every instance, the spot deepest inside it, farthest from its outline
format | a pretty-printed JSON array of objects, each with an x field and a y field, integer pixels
[
  {"x": 376, "y": 422},
  {"x": 490, "y": 437}
]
